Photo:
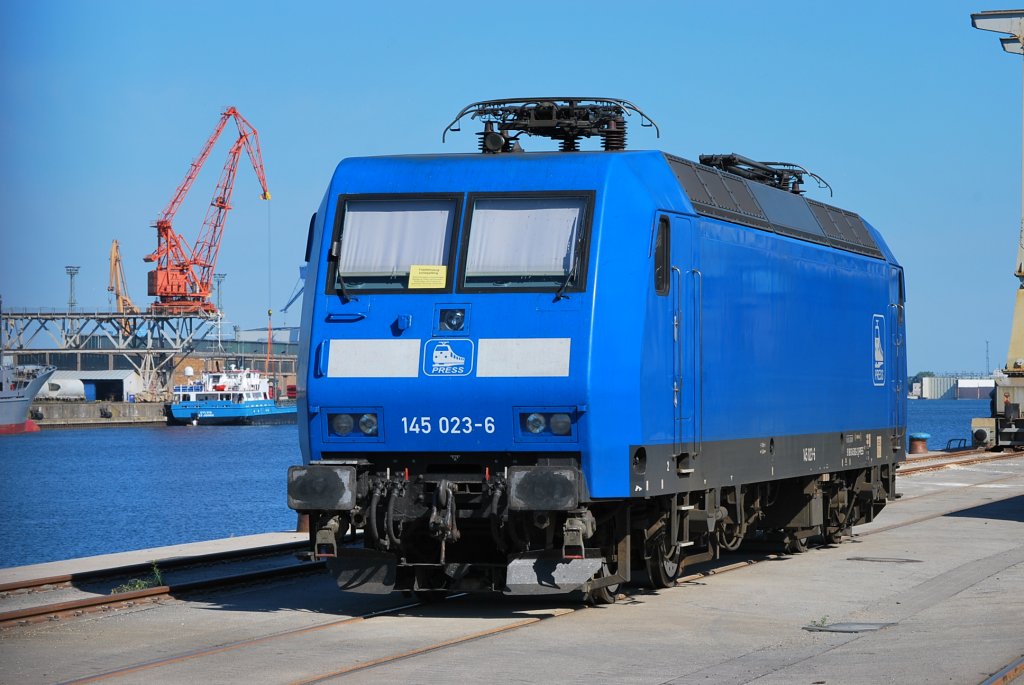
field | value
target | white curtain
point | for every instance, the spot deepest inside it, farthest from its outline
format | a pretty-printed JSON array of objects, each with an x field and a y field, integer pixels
[
  {"x": 523, "y": 236},
  {"x": 383, "y": 237}
]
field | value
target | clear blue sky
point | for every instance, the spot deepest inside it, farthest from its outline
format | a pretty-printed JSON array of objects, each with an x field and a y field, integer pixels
[{"x": 912, "y": 116}]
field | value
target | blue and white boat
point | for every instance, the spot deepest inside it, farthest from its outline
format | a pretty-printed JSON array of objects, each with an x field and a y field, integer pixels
[{"x": 236, "y": 396}]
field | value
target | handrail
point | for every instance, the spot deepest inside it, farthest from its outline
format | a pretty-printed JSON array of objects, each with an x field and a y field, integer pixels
[{"x": 95, "y": 313}]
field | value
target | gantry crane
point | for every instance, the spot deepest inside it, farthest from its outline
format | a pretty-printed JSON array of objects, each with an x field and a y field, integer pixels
[{"x": 182, "y": 279}]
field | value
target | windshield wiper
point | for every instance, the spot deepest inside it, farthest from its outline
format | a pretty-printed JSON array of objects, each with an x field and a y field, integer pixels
[
  {"x": 573, "y": 271},
  {"x": 335, "y": 251},
  {"x": 345, "y": 297}
]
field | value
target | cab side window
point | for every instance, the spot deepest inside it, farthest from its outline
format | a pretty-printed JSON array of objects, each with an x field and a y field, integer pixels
[{"x": 661, "y": 257}]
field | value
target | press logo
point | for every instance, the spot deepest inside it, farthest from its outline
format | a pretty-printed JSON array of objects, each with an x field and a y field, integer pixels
[
  {"x": 448, "y": 357},
  {"x": 878, "y": 350}
]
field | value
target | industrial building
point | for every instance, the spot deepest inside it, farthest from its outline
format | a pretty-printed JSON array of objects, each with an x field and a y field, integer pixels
[
  {"x": 952, "y": 388},
  {"x": 90, "y": 386},
  {"x": 974, "y": 388}
]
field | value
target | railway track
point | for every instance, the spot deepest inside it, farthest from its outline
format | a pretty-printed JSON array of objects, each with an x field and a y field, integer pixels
[
  {"x": 98, "y": 586},
  {"x": 106, "y": 602},
  {"x": 935, "y": 462},
  {"x": 703, "y": 572},
  {"x": 168, "y": 565}
]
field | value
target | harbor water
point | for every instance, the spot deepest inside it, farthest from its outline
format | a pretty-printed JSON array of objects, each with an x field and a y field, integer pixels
[
  {"x": 944, "y": 420},
  {"x": 79, "y": 492},
  {"x": 75, "y": 493}
]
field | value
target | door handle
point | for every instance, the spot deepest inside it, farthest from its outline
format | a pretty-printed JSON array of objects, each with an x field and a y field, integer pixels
[
  {"x": 320, "y": 358},
  {"x": 345, "y": 318}
]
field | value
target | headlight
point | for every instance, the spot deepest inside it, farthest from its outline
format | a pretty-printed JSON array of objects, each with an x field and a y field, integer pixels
[
  {"x": 368, "y": 424},
  {"x": 561, "y": 424},
  {"x": 557, "y": 424},
  {"x": 453, "y": 319},
  {"x": 535, "y": 423},
  {"x": 342, "y": 424}
]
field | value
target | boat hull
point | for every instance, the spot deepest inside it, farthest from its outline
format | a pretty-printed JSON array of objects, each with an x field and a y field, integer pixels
[
  {"x": 16, "y": 394},
  {"x": 194, "y": 414},
  {"x": 26, "y": 426}
]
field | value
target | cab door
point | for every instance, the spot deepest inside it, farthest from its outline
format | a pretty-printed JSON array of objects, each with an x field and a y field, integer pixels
[
  {"x": 897, "y": 350},
  {"x": 677, "y": 276}
]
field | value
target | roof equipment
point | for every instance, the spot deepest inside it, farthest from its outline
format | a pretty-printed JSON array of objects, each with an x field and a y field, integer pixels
[
  {"x": 782, "y": 175},
  {"x": 563, "y": 119}
]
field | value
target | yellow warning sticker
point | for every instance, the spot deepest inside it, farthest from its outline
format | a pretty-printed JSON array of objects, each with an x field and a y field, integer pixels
[{"x": 423, "y": 276}]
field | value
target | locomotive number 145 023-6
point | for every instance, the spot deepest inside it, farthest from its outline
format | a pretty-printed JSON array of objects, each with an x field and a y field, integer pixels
[{"x": 447, "y": 425}]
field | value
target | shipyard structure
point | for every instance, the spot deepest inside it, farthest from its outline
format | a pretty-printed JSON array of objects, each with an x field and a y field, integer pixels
[
  {"x": 136, "y": 356},
  {"x": 99, "y": 358}
]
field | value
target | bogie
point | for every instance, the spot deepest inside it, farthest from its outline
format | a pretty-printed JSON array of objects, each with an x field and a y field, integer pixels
[{"x": 599, "y": 546}]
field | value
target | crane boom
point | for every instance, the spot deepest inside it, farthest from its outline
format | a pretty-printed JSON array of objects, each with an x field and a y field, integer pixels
[
  {"x": 193, "y": 171},
  {"x": 119, "y": 287},
  {"x": 118, "y": 284},
  {"x": 182, "y": 279}
]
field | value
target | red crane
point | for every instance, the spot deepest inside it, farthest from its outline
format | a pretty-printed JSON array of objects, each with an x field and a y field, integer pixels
[{"x": 182, "y": 279}]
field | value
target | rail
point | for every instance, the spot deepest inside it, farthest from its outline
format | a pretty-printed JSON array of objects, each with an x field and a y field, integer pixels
[
  {"x": 935, "y": 462},
  {"x": 104, "y": 602}
]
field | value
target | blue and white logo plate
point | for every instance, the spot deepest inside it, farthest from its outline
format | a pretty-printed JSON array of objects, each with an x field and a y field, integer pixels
[
  {"x": 448, "y": 357},
  {"x": 878, "y": 350}
]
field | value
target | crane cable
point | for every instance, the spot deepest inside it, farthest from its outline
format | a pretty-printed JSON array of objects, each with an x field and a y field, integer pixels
[{"x": 270, "y": 311}]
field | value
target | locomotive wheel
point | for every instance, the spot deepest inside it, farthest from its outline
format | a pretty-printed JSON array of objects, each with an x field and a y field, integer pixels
[
  {"x": 832, "y": 536},
  {"x": 663, "y": 564},
  {"x": 606, "y": 594},
  {"x": 795, "y": 544}
]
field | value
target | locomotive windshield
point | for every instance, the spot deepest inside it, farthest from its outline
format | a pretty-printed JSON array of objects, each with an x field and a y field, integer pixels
[
  {"x": 525, "y": 242},
  {"x": 394, "y": 244}
]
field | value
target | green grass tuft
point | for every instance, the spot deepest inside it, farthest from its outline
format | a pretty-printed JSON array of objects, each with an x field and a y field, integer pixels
[{"x": 155, "y": 579}]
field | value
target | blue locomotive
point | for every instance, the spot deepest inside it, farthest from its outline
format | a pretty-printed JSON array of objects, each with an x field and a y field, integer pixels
[{"x": 561, "y": 371}]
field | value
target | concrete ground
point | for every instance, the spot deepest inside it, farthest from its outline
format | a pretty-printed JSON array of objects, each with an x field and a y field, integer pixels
[{"x": 938, "y": 578}]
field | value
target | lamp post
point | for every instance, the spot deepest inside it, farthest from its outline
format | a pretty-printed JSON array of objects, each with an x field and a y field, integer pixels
[
  {"x": 71, "y": 271},
  {"x": 1011, "y": 23}
]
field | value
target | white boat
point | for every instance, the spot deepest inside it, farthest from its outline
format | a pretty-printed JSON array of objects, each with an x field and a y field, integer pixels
[
  {"x": 21, "y": 384},
  {"x": 235, "y": 396}
]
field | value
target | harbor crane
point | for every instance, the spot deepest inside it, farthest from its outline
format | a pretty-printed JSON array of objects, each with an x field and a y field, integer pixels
[
  {"x": 119, "y": 286},
  {"x": 182, "y": 279},
  {"x": 1004, "y": 429}
]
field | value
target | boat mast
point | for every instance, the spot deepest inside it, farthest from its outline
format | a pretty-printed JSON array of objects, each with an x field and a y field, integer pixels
[{"x": 3, "y": 339}]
